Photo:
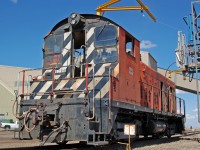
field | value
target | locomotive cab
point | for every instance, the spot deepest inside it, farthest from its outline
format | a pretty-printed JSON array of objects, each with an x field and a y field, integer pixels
[{"x": 68, "y": 46}]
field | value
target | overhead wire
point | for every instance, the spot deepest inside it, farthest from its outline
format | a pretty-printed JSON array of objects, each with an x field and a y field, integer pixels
[{"x": 162, "y": 23}]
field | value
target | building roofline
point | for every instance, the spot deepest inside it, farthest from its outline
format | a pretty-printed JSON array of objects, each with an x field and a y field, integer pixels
[
  {"x": 8, "y": 88},
  {"x": 13, "y": 67}
]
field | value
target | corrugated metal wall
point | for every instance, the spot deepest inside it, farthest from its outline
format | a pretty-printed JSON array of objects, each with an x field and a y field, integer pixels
[{"x": 6, "y": 102}]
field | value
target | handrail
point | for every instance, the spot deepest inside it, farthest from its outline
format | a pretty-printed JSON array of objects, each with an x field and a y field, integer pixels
[
  {"x": 23, "y": 79},
  {"x": 109, "y": 99},
  {"x": 93, "y": 92},
  {"x": 181, "y": 106},
  {"x": 53, "y": 78},
  {"x": 86, "y": 78}
]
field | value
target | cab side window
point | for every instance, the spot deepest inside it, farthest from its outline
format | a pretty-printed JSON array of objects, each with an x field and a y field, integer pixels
[
  {"x": 129, "y": 46},
  {"x": 105, "y": 36}
]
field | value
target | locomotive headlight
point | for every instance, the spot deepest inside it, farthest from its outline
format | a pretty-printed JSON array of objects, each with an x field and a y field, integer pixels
[
  {"x": 73, "y": 15},
  {"x": 76, "y": 20},
  {"x": 73, "y": 22}
]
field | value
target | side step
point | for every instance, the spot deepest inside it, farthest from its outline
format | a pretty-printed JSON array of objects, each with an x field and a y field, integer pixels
[{"x": 97, "y": 139}]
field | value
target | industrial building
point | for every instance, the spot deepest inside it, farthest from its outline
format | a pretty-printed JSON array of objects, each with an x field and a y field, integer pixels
[{"x": 8, "y": 84}]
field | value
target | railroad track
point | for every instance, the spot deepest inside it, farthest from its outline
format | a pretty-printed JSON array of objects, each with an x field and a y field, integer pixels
[
  {"x": 136, "y": 144},
  {"x": 190, "y": 132},
  {"x": 47, "y": 147},
  {"x": 188, "y": 135}
]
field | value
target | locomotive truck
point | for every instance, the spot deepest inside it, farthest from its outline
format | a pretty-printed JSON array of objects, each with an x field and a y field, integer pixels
[{"x": 93, "y": 83}]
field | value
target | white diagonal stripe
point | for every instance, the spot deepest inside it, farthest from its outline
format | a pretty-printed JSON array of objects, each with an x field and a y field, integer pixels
[
  {"x": 44, "y": 88},
  {"x": 102, "y": 69},
  {"x": 77, "y": 84},
  {"x": 91, "y": 47},
  {"x": 68, "y": 46},
  {"x": 90, "y": 33},
  {"x": 47, "y": 71},
  {"x": 96, "y": 81},
  {"x": 103, "y": 91},
  {"x": 34, "y": 86},
  {"x": 66, "y": 34},
  {"x": 61, "y": 84}
]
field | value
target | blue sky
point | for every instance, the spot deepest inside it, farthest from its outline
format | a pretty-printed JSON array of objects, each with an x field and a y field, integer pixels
[{"x": 24, "y": 23}]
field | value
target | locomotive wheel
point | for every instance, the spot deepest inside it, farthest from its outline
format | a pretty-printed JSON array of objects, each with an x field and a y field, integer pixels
[
  {"x": 61, "y": 142},
  {"x": 158, "y": 136},
  {"x": 169, "y": 135}
]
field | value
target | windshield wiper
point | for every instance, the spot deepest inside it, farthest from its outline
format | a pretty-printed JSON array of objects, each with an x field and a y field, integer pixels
[{"x": 101, "y": 29}]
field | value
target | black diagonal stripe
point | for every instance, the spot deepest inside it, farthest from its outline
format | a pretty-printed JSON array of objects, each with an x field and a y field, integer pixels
[
  {"x": 90, "y": 94},
  {"x": 49, "y": 71},
  {"x": 98, "y": 87},
  {"x": 106, "y": 95},
  {"x": 90, "y": 40},
  {"x": 82, "y": 85},
  {"x": 44, "y": 96},
  {"x": 49, "y": 90},
  {"x": 96, "y": 69},
  {"x": 63, "y": 75},
  {"x": 112, "y": 66},
  {"x": 67, "y": 40},
  {"x": 104, "y": 79},
  {"x": 66, "y": 57},
  {"x": 39, "y": 86},
  {"x": 99, "y": 67},
  {"x": 91, "y": 56},
  {"x": 37, "y": 89},
  {"x": 101, "y": 84},
  {"x": 69, "y": 84}
]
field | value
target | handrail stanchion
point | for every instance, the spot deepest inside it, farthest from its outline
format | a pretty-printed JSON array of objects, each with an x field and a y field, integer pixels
[
  {"x": 86, "y": 76},
  {"x": 53, "y": 78},
  {"x": 180, "y": 104},
  {"x": 93, "y": 99},
  {"x": 184, "y": 106},
  {"x": 18, "y": 80},
  {"x": 109, "y": 100},
  {"x": 23, "y": 79}
]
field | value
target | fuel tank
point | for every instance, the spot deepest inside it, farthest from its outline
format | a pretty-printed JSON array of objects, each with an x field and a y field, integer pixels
[{"x": 155, "y": 126}]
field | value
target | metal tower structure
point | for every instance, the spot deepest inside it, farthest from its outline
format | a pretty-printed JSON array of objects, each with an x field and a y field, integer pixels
[{"x": 188, "y": 53}]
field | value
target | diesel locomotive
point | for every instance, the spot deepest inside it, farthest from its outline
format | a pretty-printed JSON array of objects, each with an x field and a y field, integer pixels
[{"x": 93, "y": 82}]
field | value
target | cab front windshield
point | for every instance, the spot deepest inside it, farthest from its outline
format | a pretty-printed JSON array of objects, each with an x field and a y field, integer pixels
[
  {"x": 53, "y": 46},
  {"x": 104, "y": 55},
  {"x": 105, "y": 42},
  {"x": 53, "y": 43}
]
